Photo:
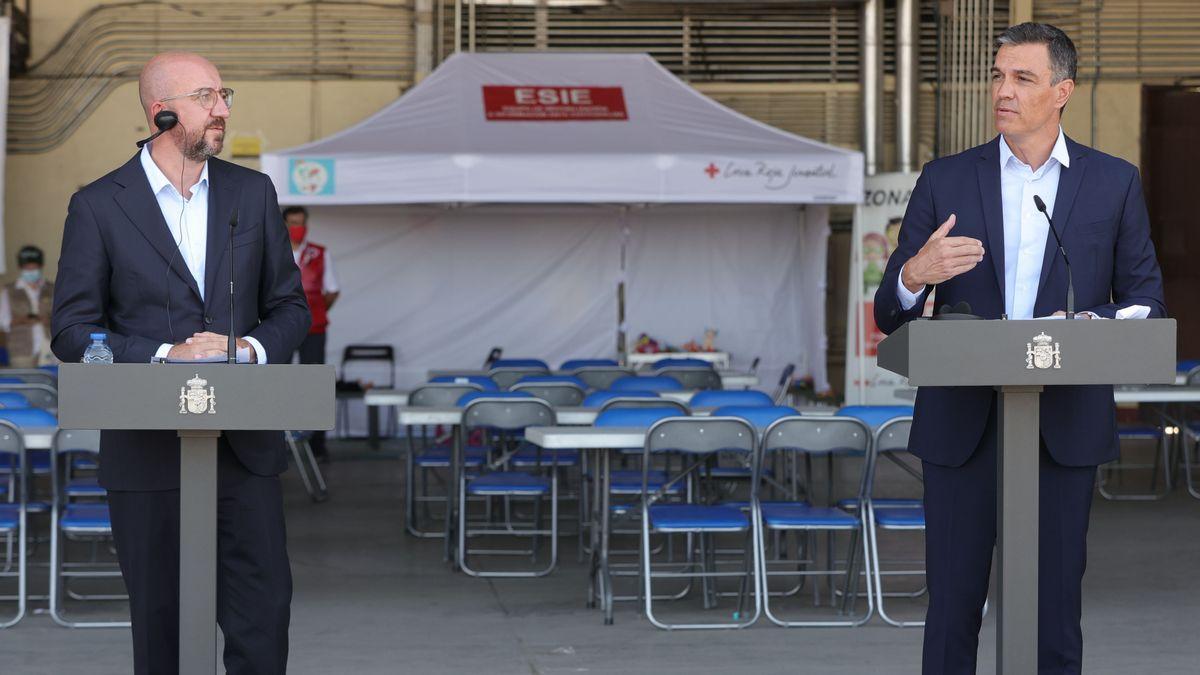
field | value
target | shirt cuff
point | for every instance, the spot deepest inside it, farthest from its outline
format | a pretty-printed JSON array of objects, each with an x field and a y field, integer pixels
[
  {"x": 162, "y": 352},
  {"x": 907, "y": 298},
  {"x": 243, "y": 355},
  {"x": 1133, "y": 312}
]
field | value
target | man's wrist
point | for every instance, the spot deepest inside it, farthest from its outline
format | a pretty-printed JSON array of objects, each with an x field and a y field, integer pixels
[{"x": 911, "y": 284}]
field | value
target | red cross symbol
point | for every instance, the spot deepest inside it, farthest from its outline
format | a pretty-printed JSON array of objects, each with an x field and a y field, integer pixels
[{"x": 712, "y": 170}]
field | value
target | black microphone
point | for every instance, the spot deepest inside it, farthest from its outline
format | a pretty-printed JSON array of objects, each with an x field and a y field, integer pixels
[
  {"x": 1041, "y": 206},
  {"x": 232, "y": 348},
  {"x": 165, "y": 120}
]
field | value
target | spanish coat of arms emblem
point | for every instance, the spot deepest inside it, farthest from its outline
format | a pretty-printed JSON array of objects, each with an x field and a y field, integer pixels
[
  {"x": 1042, "y": 353},
  {"x": 195, "y": 400}
]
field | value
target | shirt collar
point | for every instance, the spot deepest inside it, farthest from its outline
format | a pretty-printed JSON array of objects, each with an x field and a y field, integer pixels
[
  {"x": 158, "y": 180},
  {"x": 1059, "y": 152}
]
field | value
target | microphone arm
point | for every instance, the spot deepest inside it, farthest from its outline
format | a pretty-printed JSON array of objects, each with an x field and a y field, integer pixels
[
  {"x": 1041, "y": 206},
  {"x": 231, "y": 349}
]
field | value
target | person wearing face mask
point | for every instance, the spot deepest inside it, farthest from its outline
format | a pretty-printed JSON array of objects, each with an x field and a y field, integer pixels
[
  {"x": 25, "y": 312},
  {"x": 321, "y": 290}
]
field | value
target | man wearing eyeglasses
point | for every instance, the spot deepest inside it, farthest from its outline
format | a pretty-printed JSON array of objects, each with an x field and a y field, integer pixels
[{"x": 145, "y": 259}]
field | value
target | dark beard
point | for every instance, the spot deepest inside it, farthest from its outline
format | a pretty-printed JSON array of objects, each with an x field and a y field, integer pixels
[{"x": 199, "y": 149}]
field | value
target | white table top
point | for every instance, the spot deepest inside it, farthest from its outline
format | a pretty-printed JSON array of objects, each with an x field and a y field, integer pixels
[
  {"x": 1164, "y": 393},
  {"x": 385, "y": 397},
  {"x": 553, "y": 438},
  {"x": 721, "y": 359},
  {"x": 38, "y": 438},
  {"x": 730, "y": 379}
]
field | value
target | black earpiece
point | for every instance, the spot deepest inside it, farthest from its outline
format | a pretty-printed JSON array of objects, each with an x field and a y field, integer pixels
[{"x": 165, "y": 120}]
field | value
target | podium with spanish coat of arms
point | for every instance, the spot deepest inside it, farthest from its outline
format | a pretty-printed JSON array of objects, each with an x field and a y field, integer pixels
[
  {"x": 199, "y": 401},
  {"x": 1019, "y": 358}
]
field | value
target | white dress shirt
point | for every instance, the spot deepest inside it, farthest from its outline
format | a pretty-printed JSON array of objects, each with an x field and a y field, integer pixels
[
  {"x": 1025, "y": 228},
  {"x": 187, "y": 219}
]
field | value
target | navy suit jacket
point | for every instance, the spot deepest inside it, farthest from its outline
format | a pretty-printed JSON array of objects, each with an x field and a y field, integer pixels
[
  {"x": 1101, "y": 215},
  {"x": 120, "y": 270}
]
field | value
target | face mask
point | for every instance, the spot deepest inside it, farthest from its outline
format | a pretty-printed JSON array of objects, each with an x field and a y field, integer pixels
[
  {"x": 31, "y": 276},
  {"x": 297, "y": 233}
]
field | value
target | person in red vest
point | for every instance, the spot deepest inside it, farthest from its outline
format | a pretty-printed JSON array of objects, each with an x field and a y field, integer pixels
[{"x": 321, "y": 290}]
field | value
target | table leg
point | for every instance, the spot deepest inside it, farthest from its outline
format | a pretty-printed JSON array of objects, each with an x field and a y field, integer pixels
[
  {"x": 373, "y": 427},
  {"x": 198, "y": 552},
  {"x": 456, "y": 454},
  {"x": 605, "y": 526},
  {"x": 1017, "y": 530}
]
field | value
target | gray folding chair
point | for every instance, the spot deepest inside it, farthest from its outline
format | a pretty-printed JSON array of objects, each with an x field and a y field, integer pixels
[
  {"x": 13, "y": 520},
  {"x": 697, "y": 439},
  {"x": 79, "y": 513},
  {"x": 785, "y": 385},
  {"x": 693, "y": 377},
  {"x": 430, "y": 456},
  {"x": 598, "y": 378},
  {"x": 39, "y": 395},
  {"x": 30, "y": 375},
  {"x": 505, "y": 416},
  {"x": 299, "y": 442},
  {"x": 557, "y": 394},
  {"x": 507, "y": 376}
]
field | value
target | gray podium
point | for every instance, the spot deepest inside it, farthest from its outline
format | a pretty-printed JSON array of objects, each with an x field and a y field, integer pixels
[
  {"x": 199, "y": 401},
  {"x": 1018, "y": 358}
]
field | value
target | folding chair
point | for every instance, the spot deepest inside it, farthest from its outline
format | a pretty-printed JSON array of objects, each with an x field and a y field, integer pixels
[
  {"x": 77, "y": 515},
  {"x": 28, "y": 375},
  {"x": 357, "y": 355},
  {"x": 302, "y": 454},
  {"x": 492, "y": 356},
  {"x": 13, "y": 399},
  {"x": 785, "y": 384},
  {"x": 693, "y": 377},
  {"x": 433, "y": 456},
  {"x": 696, "y": 439},
  {"x": 651, "y": 383},
  {"x": 507, "y": 372},
  {"x": 14, "y": 520},
  {"x": 557, "y": 390},
  {"x": 828, "y": 435},
  {"x": 1155, "y": 434},
  {"x": 597, "y": 374},
  {"x": 507, "y": 414},
  {"x": 890, "y": 441},
  {"x": 719, "y": 398},
  {"x": 36, "y": 395}
]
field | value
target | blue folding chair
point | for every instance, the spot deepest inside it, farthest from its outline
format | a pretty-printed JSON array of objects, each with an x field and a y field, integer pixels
[
  {"x": 691, "y": 377},
  {"x": 597, "y": 399},
  {"x": 557, "y": 390},
  {"x": 482, "y": 382},
  {"x": 78, "y": 514},
  {"x": 791, "y": 434},
  {"x": 13, "y": 399},
  {"x": 506, "y": 372},
  {"x": 507, "y": 414},
  {"x": 576, "y": 364},
  {"x": 654, "y": 383},
  {"x": 890, "y": 441},
  {"x": 719, "y": 398},
  {"x": 14, "y": 519},
  {"x": 680, "y": 362},
  {"x": 430, "y": 456},
  {"x": 696, "y": 439},
  {"x": 1138, "y": 433}
]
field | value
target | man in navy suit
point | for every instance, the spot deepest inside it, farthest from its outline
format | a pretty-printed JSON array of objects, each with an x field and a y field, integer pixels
[
  {"x": 973, "y": 231},
  {"x": 146, "y": 259}
]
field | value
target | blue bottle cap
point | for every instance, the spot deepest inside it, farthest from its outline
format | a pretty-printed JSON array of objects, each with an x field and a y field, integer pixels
[{"x": 99, "y": 336}]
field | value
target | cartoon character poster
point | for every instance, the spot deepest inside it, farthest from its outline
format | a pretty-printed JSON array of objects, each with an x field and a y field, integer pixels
[{"x": 876, "y": 232}]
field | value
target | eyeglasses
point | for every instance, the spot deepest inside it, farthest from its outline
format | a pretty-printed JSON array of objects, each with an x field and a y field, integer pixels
[{"x": 206, "y": 97}]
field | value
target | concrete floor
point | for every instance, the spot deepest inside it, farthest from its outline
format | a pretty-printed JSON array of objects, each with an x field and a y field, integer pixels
[{"x": 370, "y": 600}]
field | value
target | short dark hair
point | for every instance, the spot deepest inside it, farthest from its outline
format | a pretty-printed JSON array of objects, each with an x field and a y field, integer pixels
[
  {"x": 295, "y": 209},
  {"x": 1063, "y": 58}
]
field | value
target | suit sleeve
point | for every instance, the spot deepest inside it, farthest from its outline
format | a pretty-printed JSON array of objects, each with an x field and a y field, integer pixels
[
  {"x": 283, "y": 310},
  {"x": 81, "y": 293},
  {"x": 920, "y": 221},
  {"x": 1136, "y": 278}
]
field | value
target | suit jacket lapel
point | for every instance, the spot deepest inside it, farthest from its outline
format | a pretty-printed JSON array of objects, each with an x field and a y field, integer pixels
[
  {"x": 988, "y": 170},
  {"x": 1069, "y": 181},
  {"x": 222, "y": 197},
  {"x": 141, "y": 207}
]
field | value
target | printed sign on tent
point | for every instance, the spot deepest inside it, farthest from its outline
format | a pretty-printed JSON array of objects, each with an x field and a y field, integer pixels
[
  {"x": 553, "y": 103},
  {"x": 310, "y": 177},
  {"x": 876, "y": 231}
]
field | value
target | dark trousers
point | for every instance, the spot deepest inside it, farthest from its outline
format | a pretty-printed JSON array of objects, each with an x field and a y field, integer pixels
[
  {"x": 312, "y": 350},
  {"x": 960, "y": 514},
  {"x": 254, "y": 580}
]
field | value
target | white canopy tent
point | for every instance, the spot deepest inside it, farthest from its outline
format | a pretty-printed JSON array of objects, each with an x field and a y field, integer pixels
[{"x": 502, "y": 200}]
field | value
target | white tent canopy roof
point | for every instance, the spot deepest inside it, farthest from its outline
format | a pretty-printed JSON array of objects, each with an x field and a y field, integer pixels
[{"x": 568, "y": 128}]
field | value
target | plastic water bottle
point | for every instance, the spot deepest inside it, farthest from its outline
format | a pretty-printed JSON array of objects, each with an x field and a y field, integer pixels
[{"x": 98, "y": 351}]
